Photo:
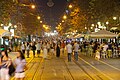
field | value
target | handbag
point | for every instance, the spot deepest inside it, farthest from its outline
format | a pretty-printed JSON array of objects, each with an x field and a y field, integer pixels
[{"x": 11, "y": 69}]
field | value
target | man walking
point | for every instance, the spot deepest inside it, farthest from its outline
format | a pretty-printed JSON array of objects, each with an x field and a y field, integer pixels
[
  {"x": 33, "y": 49},
  {"x": 38, "y": 47},
  {"x": 69, "y": 51},
  {"x": 76, "y": 48}
]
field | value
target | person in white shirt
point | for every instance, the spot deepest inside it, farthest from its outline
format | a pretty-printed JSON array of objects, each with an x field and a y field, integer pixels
[
  {"x": 38, "y": 48},
  {"x": 105, "y": 47},
  {"x": 69, "y": 51},
  {"x": 23, "y": 48},
  {"x": 45, "y": 50},
  {"x": 76, "y": 48},
  {"x": 48, "y": 47}
]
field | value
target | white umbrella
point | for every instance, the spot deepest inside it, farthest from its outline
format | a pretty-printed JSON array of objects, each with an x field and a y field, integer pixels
[{"x": 103, "y": 34}]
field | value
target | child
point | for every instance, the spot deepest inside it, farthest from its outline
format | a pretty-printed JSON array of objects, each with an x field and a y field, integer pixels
[{"x": 97, "y": 56}]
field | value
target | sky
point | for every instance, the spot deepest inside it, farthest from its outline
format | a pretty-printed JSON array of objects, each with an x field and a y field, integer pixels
[{"x": 53, "y": 14}]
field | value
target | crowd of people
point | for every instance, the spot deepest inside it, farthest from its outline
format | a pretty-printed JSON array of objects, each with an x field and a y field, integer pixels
[
  {"x": 101, "y": 50},
  {"x": 52, "y": 48},
  {"x": 8, "y": 67}
]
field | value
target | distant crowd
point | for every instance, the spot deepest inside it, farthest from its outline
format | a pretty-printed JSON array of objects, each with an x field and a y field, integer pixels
[{"x": 53, "y": 47}]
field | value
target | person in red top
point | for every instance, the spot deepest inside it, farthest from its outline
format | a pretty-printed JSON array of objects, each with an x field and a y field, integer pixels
[{"x": 63, "y": 46}]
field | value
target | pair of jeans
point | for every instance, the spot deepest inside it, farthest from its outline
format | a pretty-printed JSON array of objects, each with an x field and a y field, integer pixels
[
  {"x": 69, "y": 57},
  {"x": 76, "y": 56},
  {"x": 33, "y": 53},
  {"x": 38, "y": 53},
  {"x": 23, "y": 51}
]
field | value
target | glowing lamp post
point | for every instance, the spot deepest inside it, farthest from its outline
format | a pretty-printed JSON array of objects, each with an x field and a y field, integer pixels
[
  {"x": 107, "y": 22},
  {"x": 38, "y": 17},
  {"x": 64, "y": 17},
  {"x": 114, "y": 18},
  {"x": 33, "y": 6},
  {"x": 70, "y": 6}
]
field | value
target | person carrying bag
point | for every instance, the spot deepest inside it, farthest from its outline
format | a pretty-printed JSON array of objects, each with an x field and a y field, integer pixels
[
  {"x": 7, "y": 69},
  {"x": 20, "y": 64}
]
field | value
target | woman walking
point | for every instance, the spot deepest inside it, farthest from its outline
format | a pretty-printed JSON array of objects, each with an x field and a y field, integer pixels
[
  {"x": 20, "y": 64},
  {"x": 5, "y": 62},
  {"x": 45, "y": 50},
  {"x": 28, "y": 50},
  {"x": 58, "y": 51}
]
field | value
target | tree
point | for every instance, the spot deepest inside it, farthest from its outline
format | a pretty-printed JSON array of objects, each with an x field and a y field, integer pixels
[
  {"x": 76, "y": 19},
  {"x": 7, "y": 8},
  {"x": 87, "y": 12}
]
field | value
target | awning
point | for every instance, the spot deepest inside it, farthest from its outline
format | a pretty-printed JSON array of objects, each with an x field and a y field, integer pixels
[
  {"x": 79, "y": 35},
  {"x": 103, "y": 34},
  {"x": 4, "y": 33}
]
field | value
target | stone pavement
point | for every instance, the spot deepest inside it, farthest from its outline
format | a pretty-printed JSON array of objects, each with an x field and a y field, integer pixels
[{"x": 54, "y": 68}]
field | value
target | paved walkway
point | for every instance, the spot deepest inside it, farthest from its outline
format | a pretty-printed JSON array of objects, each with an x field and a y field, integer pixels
[{"x": 86, "y": 68}]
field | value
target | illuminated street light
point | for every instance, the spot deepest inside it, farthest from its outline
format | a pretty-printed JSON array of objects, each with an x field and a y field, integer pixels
[
  {"x": 85, "y": 27},
  {"x": 33, "y": 6},
  {"x": 114, "y": 18},
  {"x": 60, "y": 23},
  {"x": 46, "y": 28},
  {"x": 107, "y": 22},
  {"x": 40, "y": 21},
  {"x": 2, "y": 24},
  {"x": 15, "y": 26},
  {"x": 63, "y": 21},
  {"x": 38, "y": 17},
  {"x": 64, "y": 17},
  {"x": 10, "y": 24},
  {"x": 70, "y": 6},
  {"x": 92, "y": 25},
  {"x": 44, "y": 25},
  {"x": 98, "y": 23}
]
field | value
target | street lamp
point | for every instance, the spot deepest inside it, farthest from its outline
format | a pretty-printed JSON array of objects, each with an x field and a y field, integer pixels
[
  {"x": 92, "y": 25},
  {"x": 2, "y": 24},
  {"x": 38, "y": 17},
  {"x": 15, "y": 26},
  {"x": 64, "y": 17},
  {"x": 107, "y": 22},
  {"x": 40, "y": 21},
  {"x": 98, "y": 23},
  {"x": 114, "y": 18},
  {"x": 70, "y": 6},
  {"x": 63, "y": 21},
  {"x": 60, "y": 23},
  {"x": 33, "y": 6},
  {"x": 44, "y": 25},
  {"x": 85, "y": 27},
  {"x": 10, "y": 24}
]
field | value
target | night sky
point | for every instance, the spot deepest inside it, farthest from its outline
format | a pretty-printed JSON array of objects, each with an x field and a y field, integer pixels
[{"x": 52, "y": 14}]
